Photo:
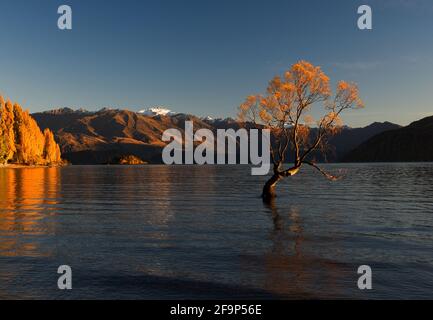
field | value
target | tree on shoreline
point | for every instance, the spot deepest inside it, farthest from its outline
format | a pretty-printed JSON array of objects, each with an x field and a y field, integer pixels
[
  {"x": 289, "y": 108},
  {"x": 21, "y": 140},
  {"x": 7, "y": 136}
]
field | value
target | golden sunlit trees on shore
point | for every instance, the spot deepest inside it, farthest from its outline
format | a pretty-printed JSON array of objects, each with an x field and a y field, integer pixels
[
  {"x": 302, "y": 114},
  {"x": 21, "y": 140}
]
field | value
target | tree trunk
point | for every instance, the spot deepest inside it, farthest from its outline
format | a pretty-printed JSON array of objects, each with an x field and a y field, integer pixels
[{"x": 269, "y": 188}]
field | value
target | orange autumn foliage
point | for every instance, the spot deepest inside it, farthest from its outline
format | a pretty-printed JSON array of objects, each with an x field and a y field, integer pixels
[
  {"x": 21, "y": 139},
  {"x": 301, "y": 111}
]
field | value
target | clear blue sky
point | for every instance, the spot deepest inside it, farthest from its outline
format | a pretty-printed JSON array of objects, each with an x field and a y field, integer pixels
[{"x": 204, "y": 56}]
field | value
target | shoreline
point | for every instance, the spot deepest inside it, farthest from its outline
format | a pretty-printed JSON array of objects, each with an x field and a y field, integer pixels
[{"x": 23, "y": 166}]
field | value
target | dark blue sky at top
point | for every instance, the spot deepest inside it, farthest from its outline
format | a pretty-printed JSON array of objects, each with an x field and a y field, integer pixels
[{"x": 204, "y": 57}]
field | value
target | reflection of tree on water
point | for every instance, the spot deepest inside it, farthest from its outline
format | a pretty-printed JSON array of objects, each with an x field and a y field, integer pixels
[
  {"x": 291, "y": 269},
  {"x": 27, "y": 198}
]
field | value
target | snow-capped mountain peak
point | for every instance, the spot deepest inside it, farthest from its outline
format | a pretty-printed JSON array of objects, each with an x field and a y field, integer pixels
[{"x": 156, "y": 111}]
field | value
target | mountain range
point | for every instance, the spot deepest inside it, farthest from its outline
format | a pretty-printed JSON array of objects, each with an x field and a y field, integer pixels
[
  {"x": 107, "y": 135},
  {"x": 407, "y": 144}
]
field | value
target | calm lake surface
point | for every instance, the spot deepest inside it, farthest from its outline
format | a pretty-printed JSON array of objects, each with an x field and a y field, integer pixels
[{"x": 175, "y": 232}]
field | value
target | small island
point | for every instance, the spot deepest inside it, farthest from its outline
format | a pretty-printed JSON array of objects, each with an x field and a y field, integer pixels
[{"x": 131, "y": 160}]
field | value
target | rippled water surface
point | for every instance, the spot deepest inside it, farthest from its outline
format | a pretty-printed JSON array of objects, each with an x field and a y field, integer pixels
[{"x": 164, "y": 232}]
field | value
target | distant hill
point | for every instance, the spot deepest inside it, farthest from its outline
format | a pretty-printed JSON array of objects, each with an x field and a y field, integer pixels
[
  {"x": 407, "y": 144},
  {"x": 350, "y": 138},
  {"x": 107, "y": 135}
]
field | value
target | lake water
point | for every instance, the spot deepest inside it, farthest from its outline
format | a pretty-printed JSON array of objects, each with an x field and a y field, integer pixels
[{"x": 169, "y": 232}]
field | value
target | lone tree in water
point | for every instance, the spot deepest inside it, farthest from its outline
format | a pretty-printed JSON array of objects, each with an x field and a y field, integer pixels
[{"x": 287, "y": 109}]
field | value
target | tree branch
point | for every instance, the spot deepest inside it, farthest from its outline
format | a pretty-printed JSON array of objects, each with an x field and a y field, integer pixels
[{"x": 326, "y": 174}]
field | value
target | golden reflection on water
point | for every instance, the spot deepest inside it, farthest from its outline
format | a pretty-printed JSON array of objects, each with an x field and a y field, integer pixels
[
  {"x": 292, "y": 269},
  {"x": 27, "y": 197}
]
